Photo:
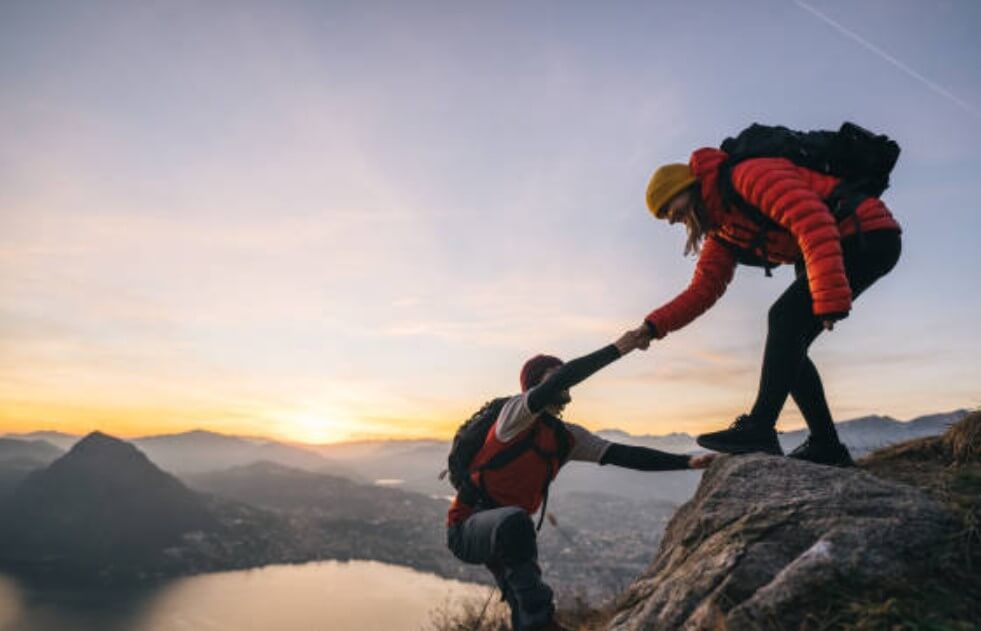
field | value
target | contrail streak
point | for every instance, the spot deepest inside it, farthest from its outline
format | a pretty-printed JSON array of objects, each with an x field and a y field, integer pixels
[{"x": 884, "y": 55}]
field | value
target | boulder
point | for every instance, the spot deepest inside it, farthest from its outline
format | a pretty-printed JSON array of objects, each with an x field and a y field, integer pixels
[{"x": 766, "y": 541}]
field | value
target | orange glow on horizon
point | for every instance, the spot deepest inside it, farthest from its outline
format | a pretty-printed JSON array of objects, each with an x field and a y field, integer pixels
[
  {"x": 303, "y": 427},
  {"x": 134, "y": 422}
]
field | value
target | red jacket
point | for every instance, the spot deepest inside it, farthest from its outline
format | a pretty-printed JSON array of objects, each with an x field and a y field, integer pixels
[
  {"x": 522, "y": 481},
  {"x": 793, "y": 197}
]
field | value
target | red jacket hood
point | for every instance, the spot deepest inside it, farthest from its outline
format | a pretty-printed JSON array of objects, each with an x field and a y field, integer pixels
[{"x": 704, "y": 164}]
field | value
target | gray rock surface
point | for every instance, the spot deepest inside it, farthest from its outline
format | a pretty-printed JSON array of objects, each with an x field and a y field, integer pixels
[{"x": 765, "y": 538}]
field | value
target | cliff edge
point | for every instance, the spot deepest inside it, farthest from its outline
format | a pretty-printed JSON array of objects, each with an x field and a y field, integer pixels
[{"x": 775, "y": 543}]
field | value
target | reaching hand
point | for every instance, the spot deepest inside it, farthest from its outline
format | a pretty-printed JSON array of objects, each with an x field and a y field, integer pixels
[
  {"x": 632, "y": 339},
  {"x": 701, "y": 461},
  {"x": 643, "y": 336}
]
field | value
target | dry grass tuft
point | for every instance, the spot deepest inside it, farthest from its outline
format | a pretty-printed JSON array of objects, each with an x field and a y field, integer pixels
[
  {"x": 474, "y": 614},
  {"x": 947, "y": 467},
  {"x": 964, "y": 439},
  {"x": 574, "y": 612}
]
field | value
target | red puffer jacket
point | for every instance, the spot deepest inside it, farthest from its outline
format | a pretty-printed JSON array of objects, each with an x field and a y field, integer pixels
[{"x": 793, "y": 197}]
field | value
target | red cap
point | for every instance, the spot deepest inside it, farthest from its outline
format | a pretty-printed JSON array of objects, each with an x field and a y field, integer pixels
[{"x": 535, "y": 368}]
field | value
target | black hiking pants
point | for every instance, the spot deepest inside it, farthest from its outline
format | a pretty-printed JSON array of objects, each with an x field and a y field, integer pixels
[
  {"x": 504, "y": 540},
  {"x": 792, "y": 326}
]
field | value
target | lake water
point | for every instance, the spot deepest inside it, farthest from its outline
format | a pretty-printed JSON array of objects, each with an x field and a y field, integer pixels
[{"x": 335, "y": 596}]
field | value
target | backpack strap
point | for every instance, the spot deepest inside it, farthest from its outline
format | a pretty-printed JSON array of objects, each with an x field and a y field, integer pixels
[
  {"x": 731, "y": 197},
  {"x": 500, "y": 460},
  {"x": 512, "y": 452},
  {"x": 561, "y": 454},
  {"x": 469, "y": 493},
  {"x": 845, "y": 200},
  {"x": 541, "y": 514},
  {"x": 562, "y": 442}
]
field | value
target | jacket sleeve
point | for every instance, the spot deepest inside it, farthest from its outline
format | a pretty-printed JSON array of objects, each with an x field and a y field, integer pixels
[
  {"x": 779, "y": 189},
  {"x": 713, "y": 272},
  {"x": 569, "y": 374},
  {"x": 644, "y": 458}
]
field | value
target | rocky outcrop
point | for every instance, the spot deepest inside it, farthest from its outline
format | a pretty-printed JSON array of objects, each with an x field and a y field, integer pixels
[{"x": 767, "y": 542}]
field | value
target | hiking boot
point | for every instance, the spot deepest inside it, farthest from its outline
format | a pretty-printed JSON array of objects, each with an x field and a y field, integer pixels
[
  {"x": 744, "y": 436},
  {"x": 829, "y": 452}
]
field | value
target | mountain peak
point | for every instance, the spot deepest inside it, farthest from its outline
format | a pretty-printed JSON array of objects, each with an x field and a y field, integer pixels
[
  {"x": 100, "y": 440},
  {"x": 102, "y": 501},
  {"x": 105, "y": 456}
]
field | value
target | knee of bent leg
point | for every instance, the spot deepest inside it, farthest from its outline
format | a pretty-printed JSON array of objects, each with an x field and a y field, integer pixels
[
  {"x": 514, "y": 538},
  {"x": 779, "y": 315},
  {"x": 774, "y": 315}
]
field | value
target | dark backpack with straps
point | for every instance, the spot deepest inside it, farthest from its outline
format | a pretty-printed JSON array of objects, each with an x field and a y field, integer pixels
[
  {"x": 861, "y": 159},
  {"x": 472, "y": 435}
]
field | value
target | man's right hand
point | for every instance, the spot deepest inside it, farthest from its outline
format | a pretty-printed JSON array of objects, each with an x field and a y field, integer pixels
[
  {"x": 634, "y": 338},
  {"x": 643, "y": 334}
]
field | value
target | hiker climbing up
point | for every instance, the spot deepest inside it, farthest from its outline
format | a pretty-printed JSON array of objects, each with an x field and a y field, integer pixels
[
  {"x": 505, "y": 457},
  {"x": 772, "y": 196}
]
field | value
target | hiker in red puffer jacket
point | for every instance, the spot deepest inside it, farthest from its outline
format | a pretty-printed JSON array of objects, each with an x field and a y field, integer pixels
[{"x": 835, "y": 262}]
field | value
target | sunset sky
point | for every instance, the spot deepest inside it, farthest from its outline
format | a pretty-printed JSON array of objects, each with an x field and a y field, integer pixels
[{"x": 320, "y": 221}]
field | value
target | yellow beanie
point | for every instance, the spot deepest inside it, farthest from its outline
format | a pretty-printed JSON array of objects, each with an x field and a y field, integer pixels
[{"x": 667, "y": 181}]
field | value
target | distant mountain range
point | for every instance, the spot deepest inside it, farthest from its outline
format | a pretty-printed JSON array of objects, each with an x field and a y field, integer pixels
[
  {"x": 19, "y": 457},
  {"x": 104, "y": 511},
  {"x": 60, "y": 440},
  {"x": 861, "y": 435},
  {"x": 414, "y": 464},
  {"x": 199, "y": 451},
  {"x": 103, "y": 500},
  {"x": 27, "y": 451},
  {"x": 869, "y": 433},
  {"x": 273, "y": 486}
]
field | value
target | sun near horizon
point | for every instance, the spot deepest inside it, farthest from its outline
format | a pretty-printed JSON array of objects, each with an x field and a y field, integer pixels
[{"x": 327, "y": 222}]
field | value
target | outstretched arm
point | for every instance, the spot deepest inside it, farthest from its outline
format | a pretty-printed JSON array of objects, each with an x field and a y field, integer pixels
[
  {"x": 646, "y": 459},
  {"x": 643, "y": 458},
  {"x": 713, "y": 272},
  {"x": 579, "y": 369}
]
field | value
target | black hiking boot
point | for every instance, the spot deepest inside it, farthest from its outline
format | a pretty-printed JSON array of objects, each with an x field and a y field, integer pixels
[
  {"x": 744, "y": 436},
  {"x": 829, "y": 452}
]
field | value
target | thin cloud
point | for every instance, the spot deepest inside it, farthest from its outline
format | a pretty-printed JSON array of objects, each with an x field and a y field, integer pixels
[
  {"x": 710, "y": 376},
  {"x": 895, "y": 358},
  {"x": 936, "y": 87}
]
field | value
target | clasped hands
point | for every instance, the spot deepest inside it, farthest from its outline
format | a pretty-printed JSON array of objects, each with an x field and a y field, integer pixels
[{"x": 639, "y": 338}]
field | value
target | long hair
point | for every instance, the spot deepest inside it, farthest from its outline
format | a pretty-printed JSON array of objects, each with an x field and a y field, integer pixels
[{"x": 696, "y": 222}]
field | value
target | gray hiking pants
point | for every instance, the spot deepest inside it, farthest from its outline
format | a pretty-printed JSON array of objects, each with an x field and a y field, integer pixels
[{"x": 504, "y": 540}]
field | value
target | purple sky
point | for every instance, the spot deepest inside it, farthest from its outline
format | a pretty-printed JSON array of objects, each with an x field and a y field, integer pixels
[{"x": 325, "y": 220}]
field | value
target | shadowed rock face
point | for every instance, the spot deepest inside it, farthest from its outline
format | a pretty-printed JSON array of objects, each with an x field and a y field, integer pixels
[{"x": 764, "y": 537}]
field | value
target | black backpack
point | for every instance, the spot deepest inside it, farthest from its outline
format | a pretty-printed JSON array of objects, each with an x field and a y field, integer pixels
[
  {"x": 469, "y": 439},
  {"x": 861, "y": 159}
]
